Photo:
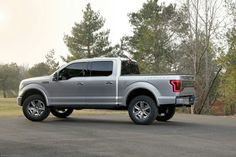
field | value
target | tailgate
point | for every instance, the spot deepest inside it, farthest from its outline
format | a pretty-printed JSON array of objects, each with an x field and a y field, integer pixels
[{"x": 187, "y": 85}]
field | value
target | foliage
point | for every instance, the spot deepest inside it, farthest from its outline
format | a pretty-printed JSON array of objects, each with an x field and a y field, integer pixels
[
  {"x": 199, "y": 49},
  {"x": 45, "y": 68},
  {"x": 166, "y": 40},
  {"x": 155, "y": 29},
  {"x": 227, "y": 88},
  {"x": 121, "y": 49},
  {"x": 87, "y": 37},
  {"x": 9, "y": 78},
  {"x": 51, "y": 61},
  {"x": 12, "y": 74},
  {"x": 40, "y": 69}
]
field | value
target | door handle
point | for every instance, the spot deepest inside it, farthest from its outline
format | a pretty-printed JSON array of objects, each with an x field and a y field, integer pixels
[
  {"x": 80, "y": 83},
  {"x": 108, "y": 82}
]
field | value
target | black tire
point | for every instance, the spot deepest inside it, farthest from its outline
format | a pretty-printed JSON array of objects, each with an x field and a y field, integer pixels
[
  {"x": 138, "y": 115},
  {"x": 61, "y": 113},
  {"x": 35, "y": 108},
  {"x": 165, "y": 113}
]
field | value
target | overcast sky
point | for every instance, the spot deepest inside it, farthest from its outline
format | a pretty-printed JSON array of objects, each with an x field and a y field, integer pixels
[{"x": 30, "y": 28}]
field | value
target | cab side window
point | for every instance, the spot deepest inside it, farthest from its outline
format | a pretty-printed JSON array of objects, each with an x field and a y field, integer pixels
[
  {"x": 101, "y": 68},
  {"x": 74, "y": 70}
]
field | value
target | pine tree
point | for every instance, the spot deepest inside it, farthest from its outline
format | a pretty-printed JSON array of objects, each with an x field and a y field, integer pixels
[
  {"x": 155, "y": 28},
  {"x": 51, "y": 61},
  {"x": 87, "y": 38}
]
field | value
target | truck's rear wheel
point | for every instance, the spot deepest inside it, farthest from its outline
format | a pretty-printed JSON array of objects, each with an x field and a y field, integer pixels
[
  {"x": 142, "y": 110},
  {"x": 35, "y": 108},
  {"x": 61, "y": 113},
  {"x": 165, "y": 113}
]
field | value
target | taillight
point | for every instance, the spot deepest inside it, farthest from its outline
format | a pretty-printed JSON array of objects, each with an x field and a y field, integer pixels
[{"x": 176, "y": 85}]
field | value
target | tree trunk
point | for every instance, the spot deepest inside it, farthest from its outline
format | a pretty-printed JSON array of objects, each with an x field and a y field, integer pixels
[
  {"x": 208, "y": 92},
  {"x": 206, "y": 53},
  {"x": 4, "y": 93},
  {"x": 191, "y": 39},
  {"x": 89, "y": 51},
  {"x": 195, "y": 46}
]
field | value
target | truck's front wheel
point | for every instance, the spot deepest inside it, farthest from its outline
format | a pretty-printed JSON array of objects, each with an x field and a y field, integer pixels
[
  {"x": 142, "y": 110},
  {"x": 165, "y": 113},
  {"x": 35, "y": 109},
  {"x": 61, "y": 113}
]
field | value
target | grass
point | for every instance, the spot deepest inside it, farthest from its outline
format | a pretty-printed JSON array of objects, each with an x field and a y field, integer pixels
[{"x": 9, "y": 107}]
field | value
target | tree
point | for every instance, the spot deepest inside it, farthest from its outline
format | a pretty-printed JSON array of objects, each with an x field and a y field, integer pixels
[
  {"x": 121, "y": 49},
  {"x": 87, "y": 38},
  {"x": 205, "y": 32},
  {"x": 51, "y": 61},
  {"x": 184, "y": 40},
  {"x": 23, "y": 71},
  {"x": 9, "y": 78},
  {"x": 39, "y": 69},
  {"x": 45, "y": 68},
  {"x": 155, "y": 30},
  {"x": 227, "y": 87}
]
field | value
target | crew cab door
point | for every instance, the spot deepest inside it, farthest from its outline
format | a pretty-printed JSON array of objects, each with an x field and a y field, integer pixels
[
  {"x": 101, "y": 85},
  {"x": 70, "y": 88}
]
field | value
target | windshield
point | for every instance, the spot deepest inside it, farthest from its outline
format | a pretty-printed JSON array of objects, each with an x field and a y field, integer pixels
[{"x": 129, "y": 68}]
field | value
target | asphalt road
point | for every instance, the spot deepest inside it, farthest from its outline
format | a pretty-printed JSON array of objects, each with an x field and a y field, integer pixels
[{"x": 116, "y": 135}]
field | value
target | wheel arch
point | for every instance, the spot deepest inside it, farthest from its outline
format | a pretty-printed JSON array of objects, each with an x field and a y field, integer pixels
[
  {"x": 33, "y": 91},
  {"x": 141, "y": 88}
]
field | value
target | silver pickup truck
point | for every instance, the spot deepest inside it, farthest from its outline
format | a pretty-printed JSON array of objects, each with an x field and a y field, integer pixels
[{"x": 105, "y": 83}]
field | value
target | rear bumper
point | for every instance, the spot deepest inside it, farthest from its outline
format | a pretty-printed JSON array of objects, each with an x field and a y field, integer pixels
[
  {"x": 184, "y": 100},
  {"x": 19, "y": 101}
]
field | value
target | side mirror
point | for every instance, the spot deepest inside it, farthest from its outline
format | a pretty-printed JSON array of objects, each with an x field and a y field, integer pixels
[{"x": 55, "y": 77}]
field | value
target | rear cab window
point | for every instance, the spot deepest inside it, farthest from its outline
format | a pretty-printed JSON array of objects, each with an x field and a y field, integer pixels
[{"x": 129, "y": 67}]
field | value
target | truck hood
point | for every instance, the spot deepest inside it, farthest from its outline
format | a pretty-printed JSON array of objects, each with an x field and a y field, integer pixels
[{"x": 35, "y": 80}]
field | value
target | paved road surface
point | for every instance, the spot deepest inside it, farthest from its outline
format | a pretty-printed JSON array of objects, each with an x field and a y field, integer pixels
[{"x": 116, "y": 135}]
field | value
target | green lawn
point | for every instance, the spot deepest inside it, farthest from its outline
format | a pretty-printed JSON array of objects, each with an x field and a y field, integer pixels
[{"x": 9, "y": 107}]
